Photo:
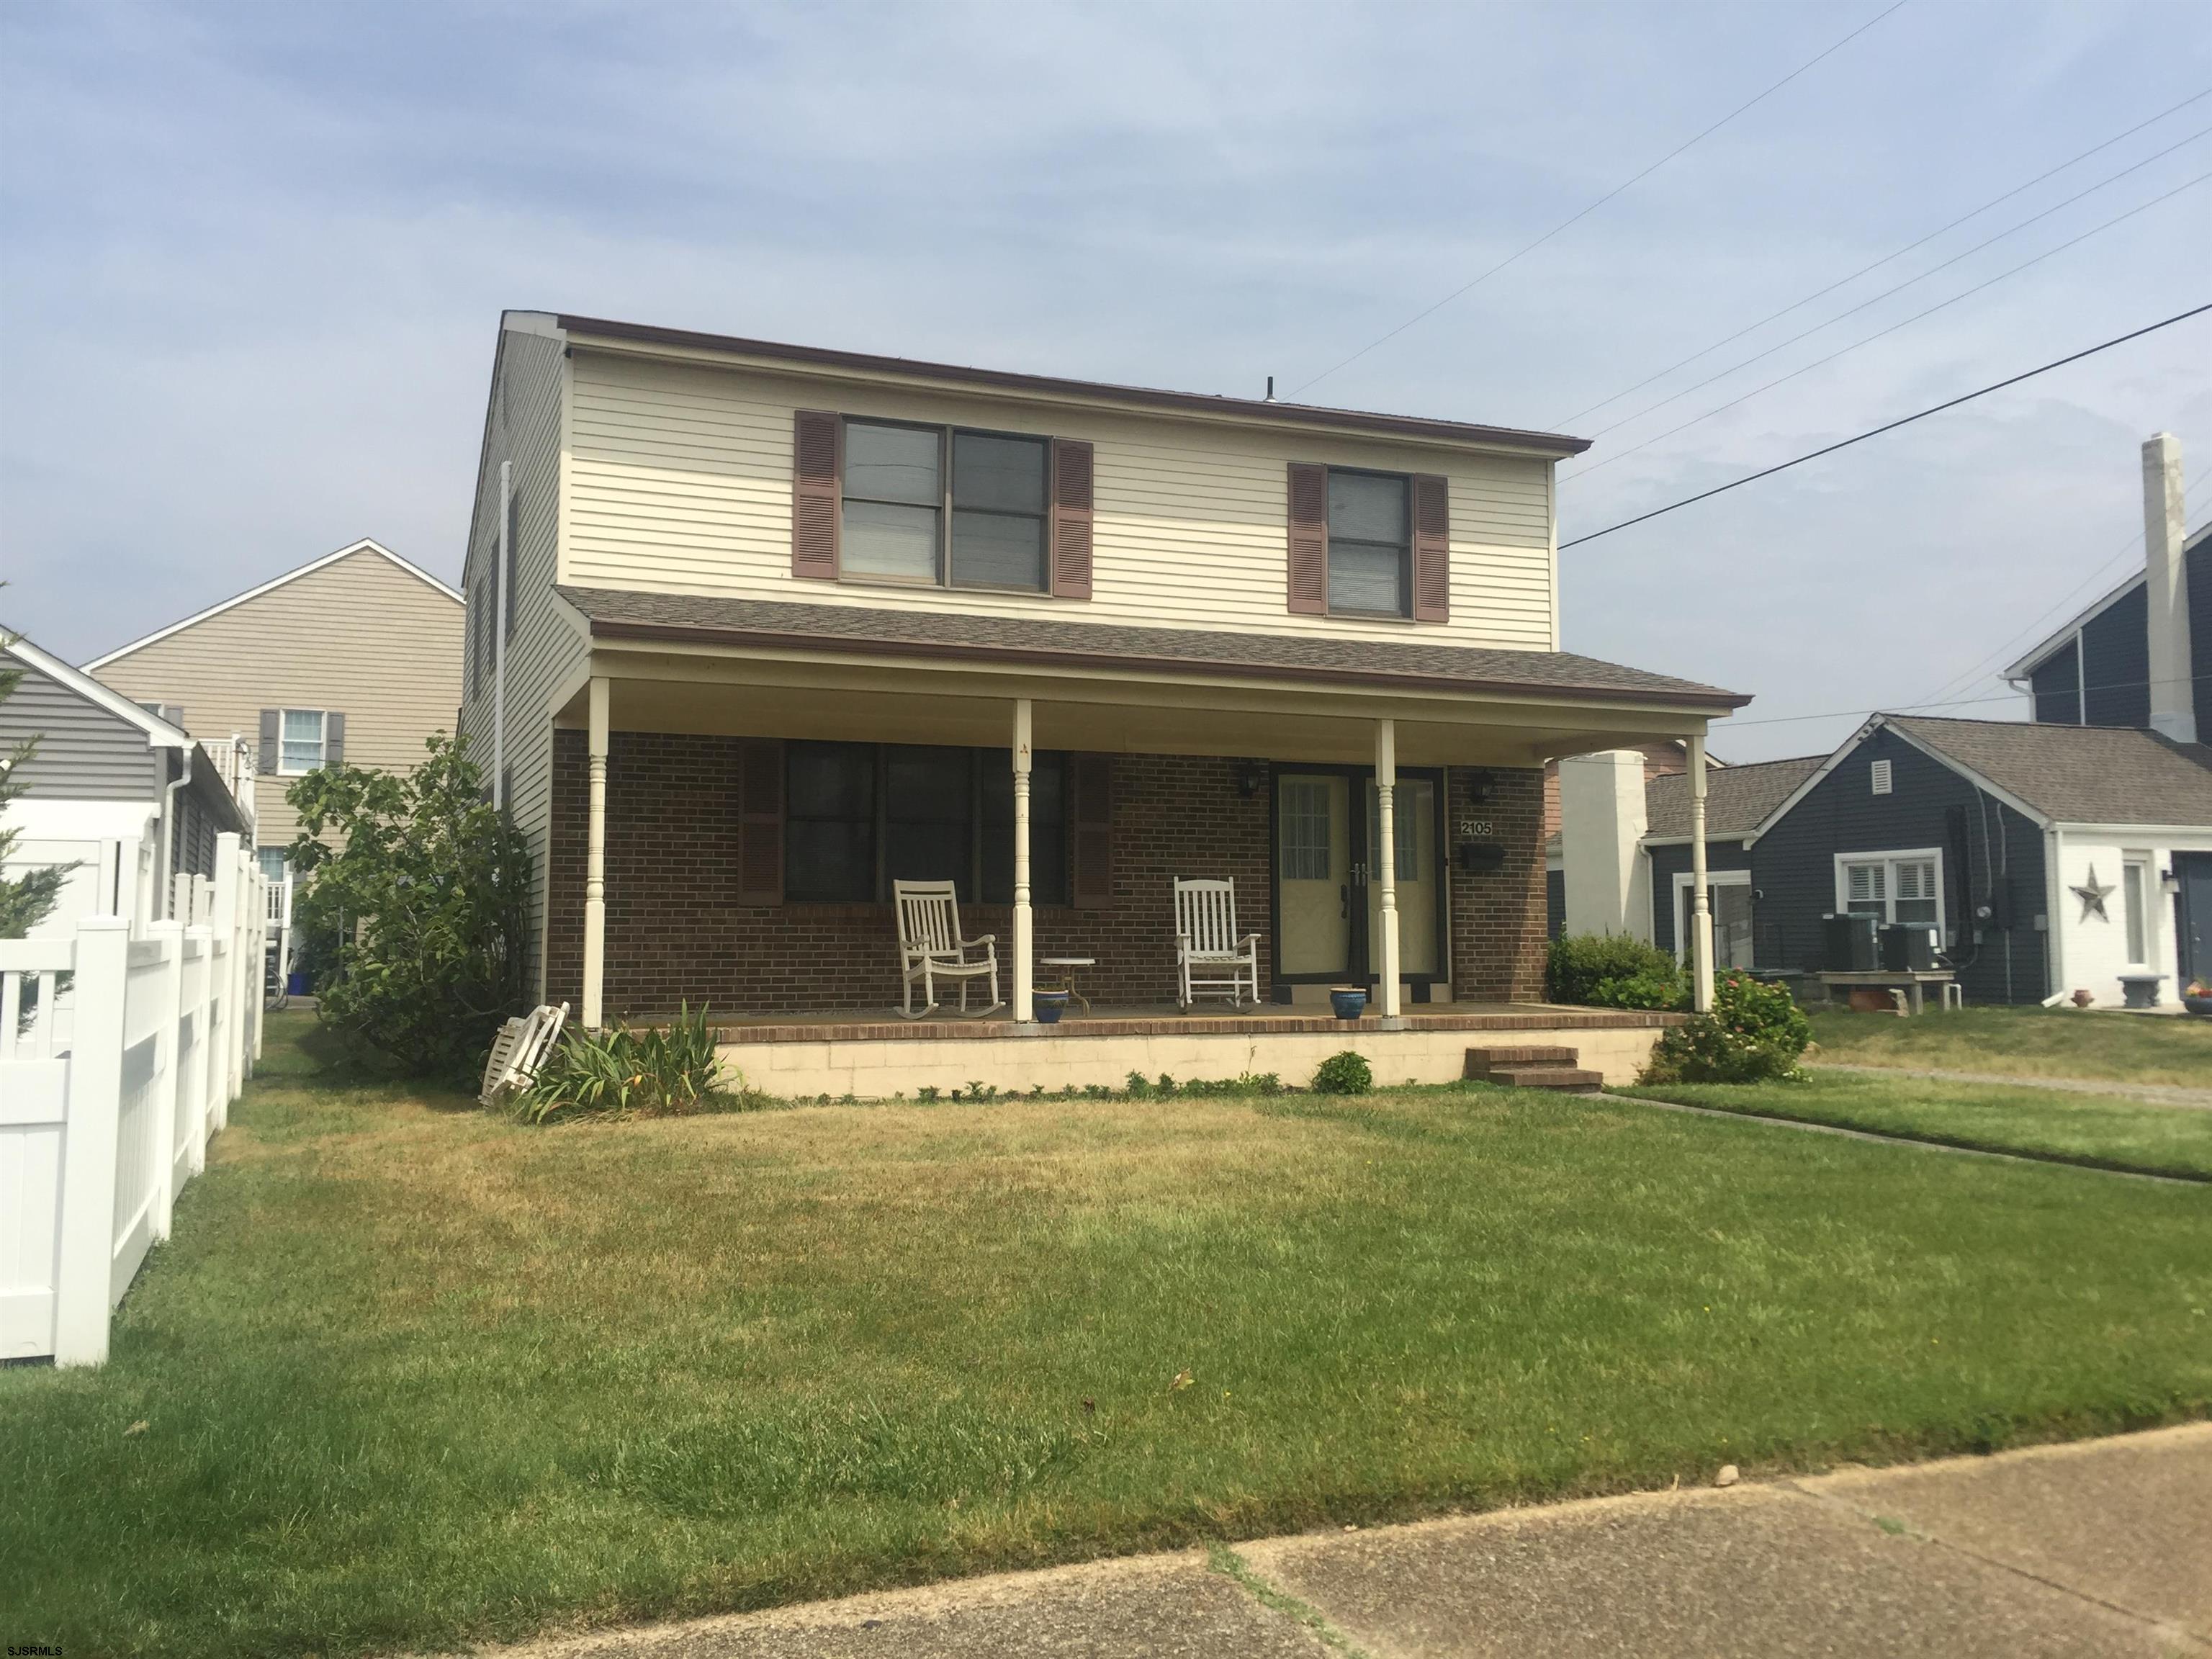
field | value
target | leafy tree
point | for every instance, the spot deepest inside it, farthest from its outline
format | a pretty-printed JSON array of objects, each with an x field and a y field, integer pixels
[
  {"x": 25, "y": 900},
  {"x": 428, "y": 900}
]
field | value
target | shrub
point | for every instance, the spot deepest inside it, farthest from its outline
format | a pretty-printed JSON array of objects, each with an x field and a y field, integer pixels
[
  {"x": 1344, "y": 1073},
  {"x": 1647, "y": 989},
  {"x": 1583, "y": 968},
  {"x": 427, "y": 906},
  {"x": 1244, "y": 1082},
  {"x": 625, "y": 1072},
  {"x": 1754, "y": 1033}
]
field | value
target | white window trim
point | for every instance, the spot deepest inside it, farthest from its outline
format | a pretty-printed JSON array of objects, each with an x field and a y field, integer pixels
[
  {"x": 322, "y": 742},
  {"x": 1894, "y": 856},
  {"x": 1683, "y": 878},
  {"x": 2146, "y": 923}
]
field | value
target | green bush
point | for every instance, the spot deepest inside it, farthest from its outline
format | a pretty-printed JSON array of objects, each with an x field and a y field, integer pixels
[
  {"x": 655, "y": 1072},
  {"x": 1583, "y": 969},
  {"x": 1754, "y": 1033},
  {"x": 1647, "y": 989},
  {"x": 1345, "y": 1073},
  {"x": 427, "y": 906}
]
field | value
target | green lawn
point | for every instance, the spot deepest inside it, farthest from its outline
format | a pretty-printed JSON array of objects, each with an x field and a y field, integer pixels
[
  {"x": 2052, "y": 1042},
  {"x": 2092, "y": 1129},
  {"x": 409, "y": 1375}
]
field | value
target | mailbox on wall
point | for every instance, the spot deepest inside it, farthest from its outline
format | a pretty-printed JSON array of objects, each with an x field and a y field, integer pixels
[{"x": 1481, "y": 858}]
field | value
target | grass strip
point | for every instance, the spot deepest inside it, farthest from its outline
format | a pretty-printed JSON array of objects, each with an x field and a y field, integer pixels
[
  {"x": 2098, "y": 1132},
  {"x": 2042, "y": 1042},
  {"x": 1226, "y": 1561}
]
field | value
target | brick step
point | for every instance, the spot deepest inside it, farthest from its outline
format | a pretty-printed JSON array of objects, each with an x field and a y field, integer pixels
[
  {"x": 1571, "y": 1079},
  {"x": 1479, "y": 1060}
]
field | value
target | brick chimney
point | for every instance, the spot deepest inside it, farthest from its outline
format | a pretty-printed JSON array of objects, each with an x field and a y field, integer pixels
[{"x": 2172, "y": 703}]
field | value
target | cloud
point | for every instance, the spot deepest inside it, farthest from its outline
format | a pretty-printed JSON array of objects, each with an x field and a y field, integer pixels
[{"x": 254, "y": 259}]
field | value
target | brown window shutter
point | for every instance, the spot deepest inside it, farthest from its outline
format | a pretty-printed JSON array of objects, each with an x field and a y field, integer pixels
[
  {"x": 760, "y": 820},
  {"x": 1309, "y": 539},
  {"x": 1432, "y": 548},
  {"x": 817, "y": 468},
  {"x": 1093, "y": 888},
  {"x": 1071, "y": 518}
]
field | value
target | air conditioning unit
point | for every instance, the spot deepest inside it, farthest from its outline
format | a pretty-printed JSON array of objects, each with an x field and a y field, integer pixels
[{"x": 1848, "y": 943}]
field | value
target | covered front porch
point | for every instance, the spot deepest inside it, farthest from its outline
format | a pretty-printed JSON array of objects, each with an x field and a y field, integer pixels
[{"x": 732, "y": 804}]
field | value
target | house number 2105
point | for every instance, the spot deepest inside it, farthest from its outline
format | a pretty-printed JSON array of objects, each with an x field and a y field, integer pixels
[{"x": 1471, "y": 827}]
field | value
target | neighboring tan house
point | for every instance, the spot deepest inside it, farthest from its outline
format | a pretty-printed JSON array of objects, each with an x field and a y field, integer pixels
[
  {"x": 354, "y": 656},
  {"x": 117, "y": 794},
  {"x": 775, "y": 617}
]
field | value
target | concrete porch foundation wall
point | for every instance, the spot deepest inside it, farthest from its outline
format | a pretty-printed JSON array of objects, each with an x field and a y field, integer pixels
[{"x": 878, "y": 1069}]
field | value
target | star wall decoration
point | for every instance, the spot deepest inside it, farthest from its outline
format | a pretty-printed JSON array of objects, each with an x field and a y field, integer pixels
[{"x": 2093, "y": 897}]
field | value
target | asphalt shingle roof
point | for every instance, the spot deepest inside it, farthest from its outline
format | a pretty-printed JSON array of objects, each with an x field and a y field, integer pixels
[
  {"x": 1737, "y": 798},
  {"x": 619, "y": 613},
  {"x": 2079, "y": 773}
]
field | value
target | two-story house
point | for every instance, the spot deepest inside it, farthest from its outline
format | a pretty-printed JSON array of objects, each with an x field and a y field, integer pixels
[
  {"x": 354, "y": 656},
  {"x": 764, "y": 628}
]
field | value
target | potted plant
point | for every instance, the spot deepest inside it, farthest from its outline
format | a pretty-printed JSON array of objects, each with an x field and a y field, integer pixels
[
  {"x": 1350, "y": 1001},
  {"x": 2197, "y": 999},
  {"x": 1047, "y": 1005}
]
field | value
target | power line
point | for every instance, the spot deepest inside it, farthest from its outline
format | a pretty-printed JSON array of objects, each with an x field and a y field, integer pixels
[
  {"x": 1567, "y": 421},
  {"x": 1891, "y": 426},
  {"x": 1909, "y": 282},
  {"x": 1734, "y": 724},
  {"x": 1880, "y": 333},
  {"x": 2096, "y": 577},
  {"x": 1566, "y": 224}
]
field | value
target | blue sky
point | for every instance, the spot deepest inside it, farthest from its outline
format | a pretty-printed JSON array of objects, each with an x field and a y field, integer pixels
[{"x": 252, "y": 261}]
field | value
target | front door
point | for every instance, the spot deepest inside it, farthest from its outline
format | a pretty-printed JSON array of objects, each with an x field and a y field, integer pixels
[
  {"x": 1413, "y": 819},
  {"x": 2194, "y": 873},
  {"x": 1314, "y": 895},
  {"x": 1328, "y": 903}
]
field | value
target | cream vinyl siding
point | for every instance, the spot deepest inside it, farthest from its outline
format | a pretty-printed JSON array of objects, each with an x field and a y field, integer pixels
[
  {"x": 523, "y": 425},
  {"x": 359, "y": 636},
  {"x": 680, "y": 480}
]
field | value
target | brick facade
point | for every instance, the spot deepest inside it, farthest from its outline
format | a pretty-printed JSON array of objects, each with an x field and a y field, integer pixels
[{"x": 676, "y": 933}]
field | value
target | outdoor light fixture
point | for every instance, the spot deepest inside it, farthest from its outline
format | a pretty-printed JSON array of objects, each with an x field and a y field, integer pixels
[{"x": 1251, "y": 775}]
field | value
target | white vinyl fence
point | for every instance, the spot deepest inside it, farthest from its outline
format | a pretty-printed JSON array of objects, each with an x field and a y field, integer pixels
[{"x": 121, "y": 1049}]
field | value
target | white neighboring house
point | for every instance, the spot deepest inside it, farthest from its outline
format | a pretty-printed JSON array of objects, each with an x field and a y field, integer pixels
[{"x": 116, "y": 794}]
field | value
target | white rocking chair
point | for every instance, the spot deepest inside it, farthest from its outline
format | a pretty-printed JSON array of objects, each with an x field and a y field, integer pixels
[
  {"x": 931, "y": 948},
  {"x": 519, "y": 1049},
  {"x": 1208, "y": 942}
]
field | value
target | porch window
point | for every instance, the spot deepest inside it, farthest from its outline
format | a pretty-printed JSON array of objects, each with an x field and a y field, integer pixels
[
  {"x": 1370, "y": 544},
  {"x": 859, "y": 815},
  {"x": 829, "y": 822},
  {"x": 2135, "y": 886},
  {"x": 896, "y": 503},
  {"x": 929, "y": 816}
]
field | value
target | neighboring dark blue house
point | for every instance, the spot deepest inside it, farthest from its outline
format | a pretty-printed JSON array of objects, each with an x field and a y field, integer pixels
[
  {"x": 1995, "y": 833},
  {"x": 2095, "y": 669}
]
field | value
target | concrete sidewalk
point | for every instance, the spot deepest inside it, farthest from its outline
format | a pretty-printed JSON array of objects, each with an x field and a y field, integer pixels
[{"x": 2103, "y": 1547}]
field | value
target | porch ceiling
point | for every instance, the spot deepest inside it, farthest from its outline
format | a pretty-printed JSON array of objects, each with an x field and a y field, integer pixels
[{"x": 722, "y": 692}]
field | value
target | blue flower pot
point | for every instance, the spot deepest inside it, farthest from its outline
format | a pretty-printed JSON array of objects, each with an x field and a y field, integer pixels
[
  {"x": 1349, "y": 1004},
  {"x": 1047, "y": 1005}
]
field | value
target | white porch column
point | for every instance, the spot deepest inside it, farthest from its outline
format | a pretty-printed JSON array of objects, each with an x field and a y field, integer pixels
[
  {"x": 1701, "y": 907},
  {"x": 1384, "y": 856},
  {"x": 595, "y": 861},
  {"x": 1023, "y": 1009}
]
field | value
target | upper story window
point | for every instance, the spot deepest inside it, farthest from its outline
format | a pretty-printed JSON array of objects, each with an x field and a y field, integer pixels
[
  {"x": 940, "y": 506},
  {"x": 904, "y": 484},
  {"x": 306, "y": 740},
  {"x": 1370, "y": 549},
  {"x": 1369, "y": 544}
]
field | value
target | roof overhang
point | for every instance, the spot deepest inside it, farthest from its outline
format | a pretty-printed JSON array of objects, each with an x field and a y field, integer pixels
[
  {"x": 160, "y": 734},
  {"x": 601, "y": 333},
  {"x": 700, "y": 681}
]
